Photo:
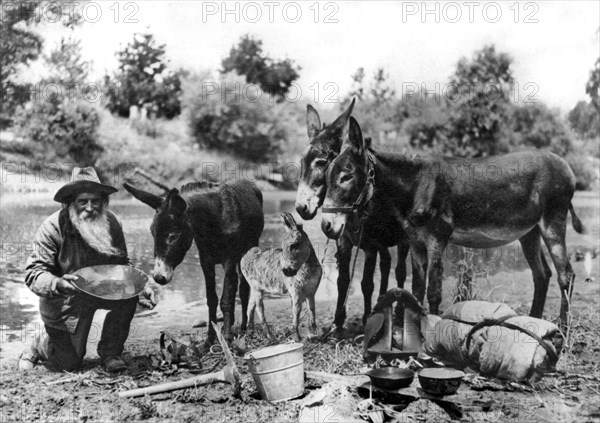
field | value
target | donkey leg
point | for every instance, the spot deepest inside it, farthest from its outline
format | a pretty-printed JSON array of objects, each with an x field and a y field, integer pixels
[
  {"x": 403, "y": 248},
  {"x": 534, "y": 255},
  {"x": 343, "y": 255},
  {"x": 312, "y": 320},
  {"x": 435, "y": 273},
  {"x": 367, "y": 285},
  {"x": 244, "y": 295},
  {"x": 296, "y": 311},
  {"x": 553, "y": 231},
  {"x": 228, "y": 297},
  {"x": 261, "y": 316},
  {"x": 212, "y": 300},
  {"x": 385, "y": 265},
  {"x": 418, "y": 259},
  {"x": 251, "y": 307}
]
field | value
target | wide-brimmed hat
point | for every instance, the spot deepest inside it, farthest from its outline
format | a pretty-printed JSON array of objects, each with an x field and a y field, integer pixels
[{"x": 83, "y": 179}]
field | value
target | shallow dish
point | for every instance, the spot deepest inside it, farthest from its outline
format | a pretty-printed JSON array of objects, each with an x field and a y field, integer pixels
[
  {"x": 111, "y": 282},
  {"x": 391, "y": 377},
  {"x": 441, "y": 380}
]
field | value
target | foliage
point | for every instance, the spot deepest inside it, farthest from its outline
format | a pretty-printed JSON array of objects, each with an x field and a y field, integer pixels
[
  {"x": 534, "y": 125},
  {"x": 471, "y": 119},
  {"x": 426, "y": 119},
  {"x": 144, "y": 80},
  {"x": 585, "y": 175},
  {"x": 377, "y": 105},
  {"x": 60, "y": 130},
  {"x": 585, "y": 120},
  {"x": 593, "y": 85},
  {"x": 248, "y": 59},
  {"x": 20, "y": 45},
  {"x": 247, "y": 129},
  {"x": 479, "y": 91},
  {"x": 66, "y": 64}
]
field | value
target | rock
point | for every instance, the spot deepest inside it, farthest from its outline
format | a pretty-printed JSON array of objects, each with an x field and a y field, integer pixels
[
  {"x": 425, "y": 411},
  {"x": 334, "y": 402}
]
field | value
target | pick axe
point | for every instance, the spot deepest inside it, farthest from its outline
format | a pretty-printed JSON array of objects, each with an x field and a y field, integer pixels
[{"x": 229, "y": 374}]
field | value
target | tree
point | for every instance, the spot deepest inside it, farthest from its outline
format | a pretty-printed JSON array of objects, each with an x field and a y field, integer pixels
[
  {"x": 20, "y": 45},
  {"x": 144, "y": 80},
  {"x": 585, "y": 120},
  {"x": 273, "y": 77},
  {"x": 471, "y": 119},
  {"x": 65, "y": 63},
  {"x": 377, "y": 113},
  {"x": 479, "y": 93},
  {"x": 593, "y": 86}
]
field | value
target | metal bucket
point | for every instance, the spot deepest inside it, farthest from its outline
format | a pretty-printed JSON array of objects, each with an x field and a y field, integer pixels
[{"x": 278, "y": 371}]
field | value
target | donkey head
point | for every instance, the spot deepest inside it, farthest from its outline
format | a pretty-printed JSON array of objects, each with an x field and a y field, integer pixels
[
  {"x": 296, "y": 246},
  {"x": 348, "y": 181},
  {"x": 325, "y": 145},
  {"x": 170, "y": 228}
]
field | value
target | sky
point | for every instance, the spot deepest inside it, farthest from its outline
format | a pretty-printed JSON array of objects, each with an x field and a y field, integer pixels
[{"x": 554, "y": 44}]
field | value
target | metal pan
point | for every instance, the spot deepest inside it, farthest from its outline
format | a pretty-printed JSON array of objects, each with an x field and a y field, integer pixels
[{"x": 111, "y": 282}]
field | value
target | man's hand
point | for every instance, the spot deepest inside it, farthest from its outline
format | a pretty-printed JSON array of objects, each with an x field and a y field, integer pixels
[
  {"x": 147, "y": 298},
  {"x": 65, "y": 286}
]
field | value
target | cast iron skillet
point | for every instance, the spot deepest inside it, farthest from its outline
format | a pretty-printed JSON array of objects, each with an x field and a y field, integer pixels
[{"x": 391, "y": 377}]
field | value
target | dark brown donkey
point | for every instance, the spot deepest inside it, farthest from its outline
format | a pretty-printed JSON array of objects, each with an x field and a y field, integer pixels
[
  {"x": 476, "y": 203},
  {"x": 379, "y": 232},
  {"x": 224, "y": 221}
]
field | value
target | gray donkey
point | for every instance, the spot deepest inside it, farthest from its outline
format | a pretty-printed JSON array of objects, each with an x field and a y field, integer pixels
[{"x": 294, "y": 268}]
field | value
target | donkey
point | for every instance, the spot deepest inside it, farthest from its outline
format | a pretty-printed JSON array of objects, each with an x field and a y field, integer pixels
[
  {"x": 524, "y": 196},
  {"x": 224, "y": 221},
  {"x": 294, "y": 268},
  {"x": 379, "y": 232}
]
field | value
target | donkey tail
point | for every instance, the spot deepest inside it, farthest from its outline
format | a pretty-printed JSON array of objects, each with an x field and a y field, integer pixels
[{"x": 577, "y": 225}]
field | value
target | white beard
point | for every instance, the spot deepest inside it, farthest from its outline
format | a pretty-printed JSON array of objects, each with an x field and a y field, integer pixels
[{"x": 95, "y": 232}]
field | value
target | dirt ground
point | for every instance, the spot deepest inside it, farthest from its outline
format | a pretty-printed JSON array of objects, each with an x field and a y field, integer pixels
[{"x": 570, "y": 394}]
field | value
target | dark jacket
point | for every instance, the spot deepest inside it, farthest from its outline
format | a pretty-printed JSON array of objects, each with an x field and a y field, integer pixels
[{"x": 58, "y": 248}]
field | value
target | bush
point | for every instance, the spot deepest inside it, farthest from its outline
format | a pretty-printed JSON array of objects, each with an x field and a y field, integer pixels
[
  {"x": 535, "y": 125},
  {"x": 60, "y": 130},
  {"x": 585, "y": 174},
  {"x": 171, "y": 158},
  {"x": 235, "y": 125}
]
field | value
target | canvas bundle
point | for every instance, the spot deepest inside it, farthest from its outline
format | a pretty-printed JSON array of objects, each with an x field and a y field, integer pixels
[{"x": 493, "y": 340}]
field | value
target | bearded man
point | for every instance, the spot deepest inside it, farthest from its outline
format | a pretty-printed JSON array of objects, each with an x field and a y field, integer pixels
[{"x": 83, "y": 233}]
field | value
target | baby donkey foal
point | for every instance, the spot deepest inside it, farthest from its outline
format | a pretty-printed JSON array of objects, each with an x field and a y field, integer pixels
[{"x": 294, "y": 268}]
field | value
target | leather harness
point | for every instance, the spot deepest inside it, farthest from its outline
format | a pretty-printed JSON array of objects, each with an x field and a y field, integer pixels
[{"x": 358, "y": 207}]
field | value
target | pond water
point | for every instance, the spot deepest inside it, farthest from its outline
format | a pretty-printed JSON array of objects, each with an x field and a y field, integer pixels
[{"x": 18, "y": 306}]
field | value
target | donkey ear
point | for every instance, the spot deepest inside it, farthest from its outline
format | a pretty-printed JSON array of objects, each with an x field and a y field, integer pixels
[
  {"x": 339, "y": 128},
  {"x": 288, "y": 221},
  {"x": 355, "y": 138},
  {"x": 175, "y": 202},
  {"x": 145, "y": 197},
  {"x": 313, "y": 121}
]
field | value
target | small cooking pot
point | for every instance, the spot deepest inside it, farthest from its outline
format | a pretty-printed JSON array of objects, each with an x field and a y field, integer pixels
[
  {"x": 391, "y": 377},
  {"x": 440, "y": 381}
]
